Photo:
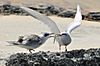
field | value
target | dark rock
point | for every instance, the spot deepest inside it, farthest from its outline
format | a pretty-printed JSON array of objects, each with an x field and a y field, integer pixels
[
  {"x": 77, "y": 53},
  {"x": 93, "y": 16},
  {"x": 67, "y": 14},
  {"x": 49, "y": 10},
  {"x": 81, "y": 57}
]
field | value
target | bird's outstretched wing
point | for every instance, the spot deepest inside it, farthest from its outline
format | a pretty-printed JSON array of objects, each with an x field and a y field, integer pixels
[
  {"x": 77, "y": 21},
  {"x": 53, "y": 27}
]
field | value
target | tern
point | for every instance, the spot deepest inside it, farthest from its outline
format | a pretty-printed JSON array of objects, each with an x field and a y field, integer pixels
[
  {"x": 32, "y": 41},
  {"x": 64, "y": 38}
]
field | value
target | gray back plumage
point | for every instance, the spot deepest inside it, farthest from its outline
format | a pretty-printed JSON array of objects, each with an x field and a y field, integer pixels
[{"x": 33, "y": 40}]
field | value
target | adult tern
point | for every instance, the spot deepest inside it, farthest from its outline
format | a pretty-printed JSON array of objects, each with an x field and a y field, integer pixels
[{"x": 63, "y": 38}]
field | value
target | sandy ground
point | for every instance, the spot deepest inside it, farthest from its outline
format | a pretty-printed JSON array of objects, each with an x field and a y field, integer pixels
[{"x": 86, "y": 36}]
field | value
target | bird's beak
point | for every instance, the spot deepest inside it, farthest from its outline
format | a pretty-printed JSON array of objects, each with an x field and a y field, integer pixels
[{"x": 56, "y": 35}]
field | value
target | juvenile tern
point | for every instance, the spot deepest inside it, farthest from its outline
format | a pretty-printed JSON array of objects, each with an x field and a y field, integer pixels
[{"x": 31, "y": 42}]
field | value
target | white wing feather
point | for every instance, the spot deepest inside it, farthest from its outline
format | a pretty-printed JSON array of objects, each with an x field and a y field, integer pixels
[
  {"x": 53, "y": 27},
  {"x": 77, "y": 20}
]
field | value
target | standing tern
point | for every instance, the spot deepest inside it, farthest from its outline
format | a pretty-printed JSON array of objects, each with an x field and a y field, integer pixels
[{"x": 63, "y": 38}]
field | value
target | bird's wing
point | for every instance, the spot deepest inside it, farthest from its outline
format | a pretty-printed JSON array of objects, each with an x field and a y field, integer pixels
[
  {"x": 53, "y": 27},
  {"x": 77, "y": 21}
]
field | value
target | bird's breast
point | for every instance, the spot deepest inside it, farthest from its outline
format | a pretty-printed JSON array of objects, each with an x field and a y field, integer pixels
[{"x": 64, "y": 39}]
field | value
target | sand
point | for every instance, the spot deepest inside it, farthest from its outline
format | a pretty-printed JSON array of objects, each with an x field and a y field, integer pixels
[{"x": 85, "y": 37}]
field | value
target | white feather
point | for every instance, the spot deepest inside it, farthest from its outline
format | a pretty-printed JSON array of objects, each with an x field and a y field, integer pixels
[
  {"x": 53, "y": 27},
  {"x": 77, "y": 21}
]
